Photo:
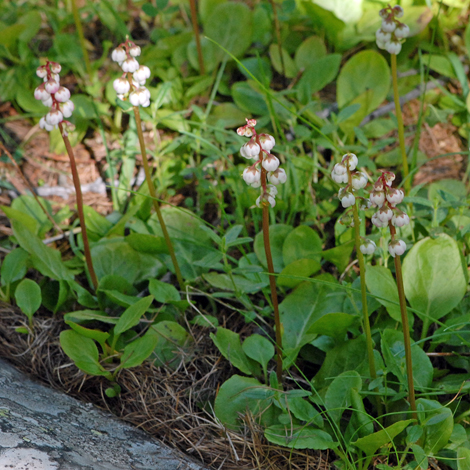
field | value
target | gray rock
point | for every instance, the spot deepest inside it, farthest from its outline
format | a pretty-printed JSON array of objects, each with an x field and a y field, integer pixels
[{"x": 43, "y": 429}]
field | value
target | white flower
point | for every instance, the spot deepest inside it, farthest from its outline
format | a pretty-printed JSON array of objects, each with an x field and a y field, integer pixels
[
  {"x": 397, "y": 10},
  {"x": 389, "y": 178},
  {"x": 348, "y": 199},
  {"x": 388, "y": 25},
  {"x": 48, "y": 101},
  {"x": 130, "y": 65},
  {"x": 266, "y": 197},
  {"x": 53, "y": 117},
  {"x": 251, "y": 175},
  {"x": 67, "y": 108},
  {"x": 383, "y": 13},
  {"x": 339, "y": 169},
  {"x": 368, "y": 247},
  {"x": 359, "y": 180},
  {"x": 271, "y": 189},
  {"x": 62, "y": 94},
  {"x": 382, "y": 36},
  {"x": 267, "y": 142},
  {"x": 270, "y": 162},
  {"x": 395, "y": 196},
  {"x": 352, "y": 161},
  {"x": 256, "y": 184},
  {"x": 141, "y": 74},
  {"x": 398, "y": 247},
  {"x": 119, "y": 55},
  {"x": 51, "y": 86},
  {"x": 44, "y": 125},
  {"x": 141, "y": 96},
  {"x": 135, "y": 51},
  {"x": 55, "y": 67},
  {"x": 393, "y": 47},
  {"x": 244, "y": 131},
  {"x": 121, "y": 86},
  {"x": 402, "y": 31},
  {"x": 250, "y": 150},
  {"x": 377, "y": 198},
  {"x": 339, "y": 178},
  {"x": 278, "y": 176},
  {"x": 400, "y": 220},
  {"x": 385, "y": 214},
  {"x": 41, "y": 71},
  {"x": 377, "y": 222},
  {"x": 381, "y": 44},
  {"x": 41, "y": 94}
]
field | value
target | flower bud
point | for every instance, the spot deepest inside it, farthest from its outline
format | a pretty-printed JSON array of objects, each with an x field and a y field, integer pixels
[
  {"x": 55, "y": 67},
  {"x": 359, "y": 180},
  {"x": 382, "y": 36},
  {"x": 62, "y": 94},
  {"x": 351, "y": 159},
  {"x": 41, "y": 94},
  {"x": 44, "y": 125},
  {"x": 401, "y": 219},
  {"x": 377, "y": 222},
  {"x": 278, "y": 176},
  {"x": 397, "y": 11},
  {"x": 397, "y": 247},
  {"x": 389, "y": 177},
  {"x": 393, "y": 47},
  {"x": 250, "y": 122},
  {"x": 367, "y": 247},
  {"x": 119, "y": 55},
  {"x": 348, "y": 199},
  {"x": 339, "y": 178},
  {"x": 141, "y": 96},
  {"x": 384, "y": 13},
  {"x": 402, "y": 31},
  {"x": 395, "y": 196},
  {"x": 51, "y": 86},
  {"x": 270, "y": 162},
  {"x": 122, "y": 86},
  {"x": 267, "y": 142},
  {"x": 135, "y": 51},
  {"x": 250, "y": 150},
  {"x": 141, "y": 75},
  {"x": 339, "y": 169},
  {"x": 41, "y": 71},
  {"x": 385, "y": 214},
  {"x": 53, "y": 117},
  {"x": 244, "y": 131},
  {"x": 377, "y": 198},
  {"x": 388, "y": 25},
  {"x": 67, "y": 108},
  {"x": 251, "y": 175},
  {"x": 130, "y": 65}
]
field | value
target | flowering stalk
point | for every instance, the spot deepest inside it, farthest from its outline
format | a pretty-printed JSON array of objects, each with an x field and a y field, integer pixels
[
  {"x": 131, "y": 86},
  {"x": 344, "y": 173},
  {"x": 389, "y": 37},
  {"x": 57, "y": 97},
  {"x": 386, "y": 198},
  {"x": 200, "y": 57},
  {"x": 266, "y": 168},
  {"x": 81, "y": 36}
]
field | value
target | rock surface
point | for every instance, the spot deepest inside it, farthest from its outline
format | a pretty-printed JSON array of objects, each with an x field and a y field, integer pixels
[{"x": 43, "y": 429}]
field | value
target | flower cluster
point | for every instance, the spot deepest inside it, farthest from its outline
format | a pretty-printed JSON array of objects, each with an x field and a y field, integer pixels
[
  {"x": 55, "y": 97},
  {"x": 390, "y": 34},
  {"x": 131, "y": 83},
  {"x": 266, "y": 166},
  {"x": 344, "y": 173},
  {"x": 386, "y": 199}
]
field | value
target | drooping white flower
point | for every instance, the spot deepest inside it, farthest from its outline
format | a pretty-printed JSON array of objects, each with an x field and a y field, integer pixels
[
  {"x": 367, "y": 247},
  {"x": 251, "y": 175},
  {"x": 352, "y": 161},
  {"x": 51, "y": 86},
  {"x": 41, "y": 71},
  {"x": 382, "y": 36},
  {"x": 44, "y": 125},
  {"x": 119, "y": 55},
  {"x": 270, "y": 162},
  {"x": 53, "y": 117},
  {"x": 250, "y": 150},
  {"x": 398, "y": 247},
  {"x": 141, "y": 74},
  {"x": 393, "y": 47},
  {"x": 395, "y": 196},
  {"x": 388, "y": 25},
  {"x": 385, "y": 214},
  {"x": 62, "y": 94},
  {"x": 140, "y": 97},
  {"x": 347, "y": 199},
  {"x": 377, "y": 222},
  {"x": 400, "y": 220},
  {"x": 339, "y": 169},
  {"x": 267, "y": 142},
  {"x": 268, "y": 198},
  {"x": 130, "y": 65},
  {"x": 278, "y": 176},
  {"x": 402, "y": 31},
  {"x": 359, "y": 180},
  {"x": 121, "y": 86},
  {"x": 377, "y": 198},
  {"x": 339, "y": 178},
  {"x": 41, "y": 94},
  {"x": 398, "y": 11},
  {"x": 55, "y": 67},
  {"x": 135, "y": 51}
]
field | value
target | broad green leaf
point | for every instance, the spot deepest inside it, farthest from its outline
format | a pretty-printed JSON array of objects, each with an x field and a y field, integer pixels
[
  {"x": 14, "y": 266},
  {"x": 305, "y": 411},
  {"x": 260, "y": 67},
  {"x": 302, "y": 268},
  {"x": 361, "y": 422},
  {"x": 463, "y": 454},
  {"x": 332, "y": 324},
  {"x": 440, "y": 64},
  {"x": 311, "y": 49},
  {"x": 30, "y": 207},
  {"x": 393, "y": 350},
  {"x": 172, "y": 338},
  {"x": 28, "y": 297},
  {"x": 83, "y": 352},
  {"x": 420, "y": 456},
  {"x": 260, "y": 349},
  {"x": 232, "y": 401},
  {"x": 97, "y": 335},
  {"x": 338, "y": 395},
  {"x": 228, "y": 343},
  {"x": 117, "y": 298},
  {"x": 96, "y": 223},
  {"x": 301, "y": 243},
  {"x": 45, "y": 259},
  {"x": 55, "y": 294},
  {"x": 370, "y": 444},
  {"x": 163, "y": 292},
  {"x": 434, "y": 277},
  {"x": 132, "y": 315},
  {"x": 208, "y": 321},
  {"x": 136, "y": 352},
  {"x": 326, "y": 22},
  {"x": 90, "y": 315},
  {"x": 289, "y": 65},
  {"x": 339, "y": 255},
  {"x": 299, "y": 437},
  {"x": 247, "y": 98},
  {"x": 224, "y": 281},
  {"x": 367, "y": 70},
  {"x": 380, "y": 282},
  {"x": 277, "y": 236}
]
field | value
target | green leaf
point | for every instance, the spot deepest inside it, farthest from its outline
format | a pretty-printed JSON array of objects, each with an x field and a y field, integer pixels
[
  {"x": 208, "y": 321},
  {"x": 136, "y": 352},
  {"x": 260, "y": 349},
  {"x": 96, "y": 223},
  {"x": 228, "y": 343},
  {"x": 28, "y": 297},
  {"x": 301, "y": 267},
  {"x": 277, "y": 236},
  {"x": 90, "y": 315},
  {"x": 172, "y": 338},
  {"x": 97, "y": 335},
  {"x": 224, "y": 281},
  {"x": 248, "y": 98},
  {"x": 301, "y": 243},
  {"x": 360, "y": 423},
  {"x": 305, "y": 411},
  {"x": 339, "y": 255},
  {"x": 420, "y": 456},
  {"x": 439, "y": 64},
  {"x": 312, "y": 49},
  {"x": 230, "y": 25},
  {"x": 163, "y": 292},
  {"x": 338, "y": 395},
  {"x": 434, "y": 277},
  {"x": 289, "y": 65},
  {"x": 132, "y": 315},
  {"x": 380, "y": 282},
  {"x": 332, "y": 324},
  {"x": 393, "y": 350},
  {"x": 30, "y": 207},
  {"x": 83, "y": 352},
  {"x": 463, "y": 454},
  {"x": 299, "y": 437},
  {"x": 45, "y": 259},
  {"x": 370, "y": 444},
  {"x": 14, "y": 266},
  {"x": 232, "y": 401}
]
